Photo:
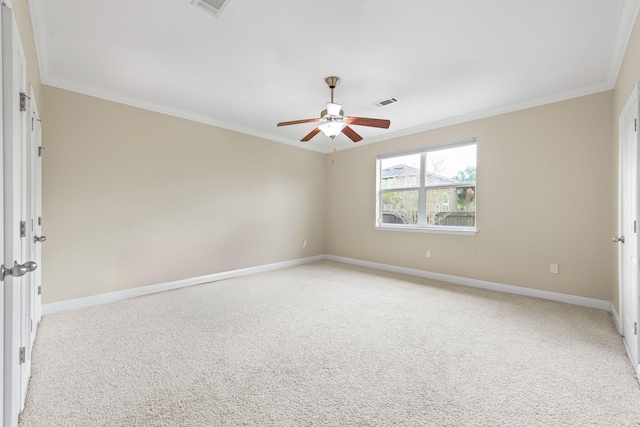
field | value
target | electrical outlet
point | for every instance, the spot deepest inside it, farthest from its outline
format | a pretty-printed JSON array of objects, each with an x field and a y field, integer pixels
[
  {"x": 553, "y": 268},
  {"x": 304, "y": 243},
  {"x": 428, "y": 254}
]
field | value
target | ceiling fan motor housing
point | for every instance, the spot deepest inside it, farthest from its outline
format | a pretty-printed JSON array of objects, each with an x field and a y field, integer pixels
[{"x": 326, "y": 113}]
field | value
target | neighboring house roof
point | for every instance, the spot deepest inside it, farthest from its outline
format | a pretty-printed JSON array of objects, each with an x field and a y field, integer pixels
[{"x": 398, "y": 171}]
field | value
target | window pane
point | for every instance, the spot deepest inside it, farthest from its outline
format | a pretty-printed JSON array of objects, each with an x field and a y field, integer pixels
[
  {"x": 400, "y": 207},
  {"x": 400, "y": 172},
  {"x": 452, "y": 206},
  {"x": 451, "y": 165}
]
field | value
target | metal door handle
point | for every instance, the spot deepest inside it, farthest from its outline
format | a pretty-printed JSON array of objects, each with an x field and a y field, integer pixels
[
  {"x": 40, "y": 239},
  {"x": 17, "y": 270},
  {"x": 618, "y": 239}
]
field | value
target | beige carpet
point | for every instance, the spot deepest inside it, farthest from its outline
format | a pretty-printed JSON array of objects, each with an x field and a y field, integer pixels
[{"x": 329, "y": 344}]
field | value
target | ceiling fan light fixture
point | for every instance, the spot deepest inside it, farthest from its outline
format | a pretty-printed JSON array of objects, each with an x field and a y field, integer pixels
[
  {"x": 332, "y": 128},
  {"x": 333, "y": 109}
]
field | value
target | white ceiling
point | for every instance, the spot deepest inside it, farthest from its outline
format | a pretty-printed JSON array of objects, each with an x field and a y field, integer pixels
[{"x": 262, "y": 62}]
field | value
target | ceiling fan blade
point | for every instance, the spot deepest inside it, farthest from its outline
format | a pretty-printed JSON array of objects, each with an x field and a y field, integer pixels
[
  {"x": 297, "y": 122},
  {"x": 310, "y": 135},
  {"x": 363, "y": 121},
  {"x": 351, "y": 134}
]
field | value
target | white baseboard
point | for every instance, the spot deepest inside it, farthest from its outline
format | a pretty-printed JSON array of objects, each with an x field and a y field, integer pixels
[
  {"x": 74, "y": 304},
  {"x": 616, "y": 318},
  {"x": 510, "y": 289}
]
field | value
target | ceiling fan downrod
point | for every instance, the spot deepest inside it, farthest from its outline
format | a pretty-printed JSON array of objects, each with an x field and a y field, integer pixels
[{"x": 332, "y": 81}]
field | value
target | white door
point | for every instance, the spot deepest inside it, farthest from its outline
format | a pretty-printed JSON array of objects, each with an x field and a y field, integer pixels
[
  {"x": 15, "y": 217},
  {"x": 628, "y": 251},
  {"x": 31, "y": 242}
]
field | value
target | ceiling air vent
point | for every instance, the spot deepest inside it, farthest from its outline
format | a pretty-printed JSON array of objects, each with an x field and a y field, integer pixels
[
  {"x": 387, "y": 101},
  {"x": 213, "y": 7}
]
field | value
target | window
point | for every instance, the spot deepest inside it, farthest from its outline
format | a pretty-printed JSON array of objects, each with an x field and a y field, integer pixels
[{"x": 430, "y": 189}]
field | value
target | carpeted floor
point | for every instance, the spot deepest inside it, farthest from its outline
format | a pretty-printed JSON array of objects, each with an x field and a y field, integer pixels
[{"x": 328, "y": 344}]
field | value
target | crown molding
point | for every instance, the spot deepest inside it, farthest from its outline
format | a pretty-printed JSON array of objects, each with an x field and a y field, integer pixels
[
  {"x": 175, "y": 112},
  {"x": 188, "y": 115},
  {"x": 503, "y": 109},
  {"x": 627, "y": 16}
]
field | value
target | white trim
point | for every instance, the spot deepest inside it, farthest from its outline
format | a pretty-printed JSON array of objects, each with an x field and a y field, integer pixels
[
  {"x": 616, "y": 318},
  {"x": 77, "y": 303},
  {"x": 627, "y": 15},
  {"x": 482, "y": 284},
  {"x": 435, "y": 230},
  {"x": 58, "y": 307}
]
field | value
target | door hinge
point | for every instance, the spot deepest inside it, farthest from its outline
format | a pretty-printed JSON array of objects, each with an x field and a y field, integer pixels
[
  {"x": 635, "y": 328},
  {"x": 22, "y": 355},
  {"x": 39, "y": 290},
  {"x": 39, "y": 220},
  {"x": 635, "y": 125},
  {"x": 23, "y": 229},
  {"x": 40, "y": 151},
  {"x": 23, "y": 101},
  {"x": 634, "y": 226}
]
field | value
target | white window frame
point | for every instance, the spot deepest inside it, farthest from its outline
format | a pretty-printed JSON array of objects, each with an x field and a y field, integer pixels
[{"x": 421, "y": 227}]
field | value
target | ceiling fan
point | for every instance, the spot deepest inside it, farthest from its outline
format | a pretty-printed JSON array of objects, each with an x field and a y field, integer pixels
[{"x": 332, "y": 121}]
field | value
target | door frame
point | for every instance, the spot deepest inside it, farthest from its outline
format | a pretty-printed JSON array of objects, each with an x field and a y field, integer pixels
[
  {"x": 633, "y": 238},
  {"x": 35, "y": 211}
]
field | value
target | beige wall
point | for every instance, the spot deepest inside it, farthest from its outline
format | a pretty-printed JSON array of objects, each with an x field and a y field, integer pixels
[
  {"x": 544, "y": 196},
  {"x": 628, "y": 77},
  {"x": 134, "y": 198}
]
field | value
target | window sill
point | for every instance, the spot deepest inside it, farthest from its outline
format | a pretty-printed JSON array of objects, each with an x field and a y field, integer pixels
[{"x": 460, "y": 231}]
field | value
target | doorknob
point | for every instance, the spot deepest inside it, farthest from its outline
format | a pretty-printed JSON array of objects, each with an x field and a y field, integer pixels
[
  {"x": 618, "y": 239},
  {"x": 40, "y": 239},
  {"x": 17, "y": 270}
]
